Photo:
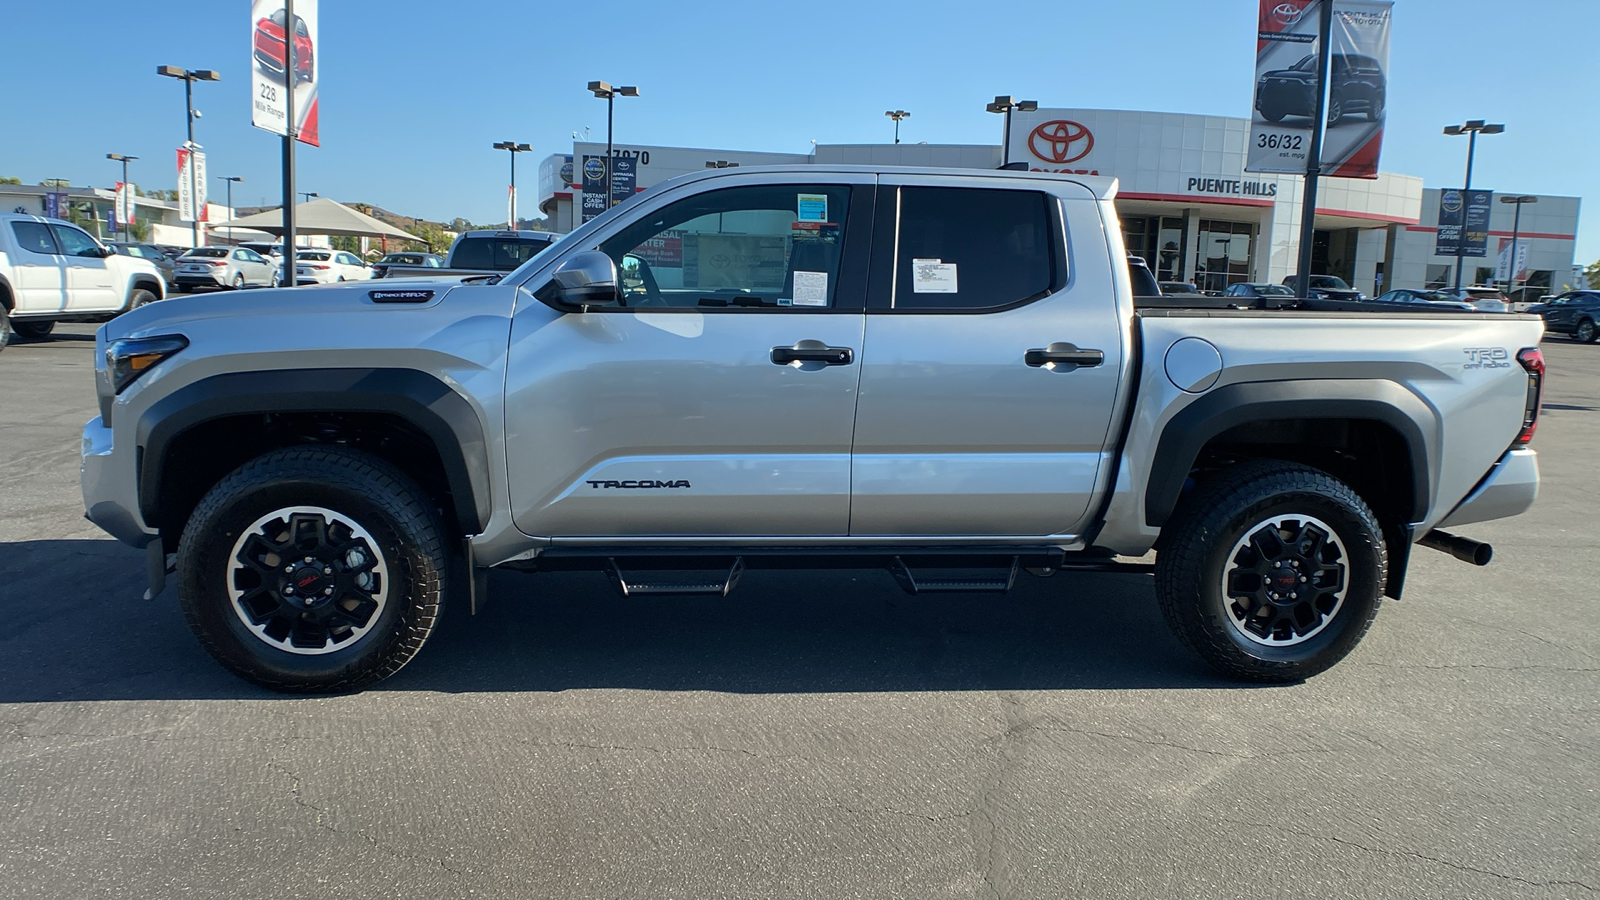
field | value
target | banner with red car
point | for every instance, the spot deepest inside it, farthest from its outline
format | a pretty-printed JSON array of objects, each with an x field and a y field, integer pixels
[
  {"x": 1287, "y": 85},
  {"x": 271, "y": 82}
]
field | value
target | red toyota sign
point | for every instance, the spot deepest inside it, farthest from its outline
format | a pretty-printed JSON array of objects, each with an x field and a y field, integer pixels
[{"x": 1061, "y": 141}]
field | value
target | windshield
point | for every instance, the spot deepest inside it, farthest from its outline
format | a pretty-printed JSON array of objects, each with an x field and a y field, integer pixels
[
  {"x": 1332, "y": 282},
  {"x": 209, "y": 252},
  {"x": 1436, "y": 296},
  {"x": 1308, "y": 64},
  {"x": 1273, "y": 290},
  {"x": 500, "y": 254}
]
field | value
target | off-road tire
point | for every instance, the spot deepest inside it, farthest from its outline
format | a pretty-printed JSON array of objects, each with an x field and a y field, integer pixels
[
  {"x": 1196, "y": 550},
  {"x": 139, "y": 297},
  {"x": 359, "y": 486},
  {"x": 32, "y": 330}
]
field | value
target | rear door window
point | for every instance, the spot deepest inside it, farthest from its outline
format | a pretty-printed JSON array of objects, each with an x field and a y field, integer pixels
[
  {"x": 34, "y": 237},
  {"x": 972, "y": 249}
]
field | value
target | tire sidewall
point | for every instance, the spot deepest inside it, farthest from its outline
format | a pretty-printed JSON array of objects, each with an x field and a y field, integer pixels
[
  {"x": 1364, "y": 578},
  {"x": 1578, "y": 335},
  {"x": 204, "y": 557},
  {"x": 5, "y": 327}
]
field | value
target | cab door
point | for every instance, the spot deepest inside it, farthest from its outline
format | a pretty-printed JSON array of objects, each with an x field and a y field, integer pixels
[
  {"x": 90, "y": 282},
  {"x": 994, "y": 362},
  {"x": 38, "y": 271},
  {"x": 720, "y": 400}
]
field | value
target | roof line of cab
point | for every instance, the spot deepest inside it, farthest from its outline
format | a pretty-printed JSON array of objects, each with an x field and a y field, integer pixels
[{"x": 1104, "y": 187}]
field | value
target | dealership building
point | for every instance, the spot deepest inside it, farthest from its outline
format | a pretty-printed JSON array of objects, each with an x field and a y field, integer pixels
[{"x": 1187, "y": 205}]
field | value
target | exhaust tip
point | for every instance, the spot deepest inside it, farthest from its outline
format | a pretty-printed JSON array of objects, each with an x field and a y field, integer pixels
[{"x": 1463, "y": 548}]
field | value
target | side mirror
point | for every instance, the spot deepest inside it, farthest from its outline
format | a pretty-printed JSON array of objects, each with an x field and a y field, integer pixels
[
  {"x": 583, "y": 280},
  {"x": 106, "y": 252}
]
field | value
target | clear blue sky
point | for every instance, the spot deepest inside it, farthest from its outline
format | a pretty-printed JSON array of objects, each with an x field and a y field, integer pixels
[{"x": 414, "y": 93}]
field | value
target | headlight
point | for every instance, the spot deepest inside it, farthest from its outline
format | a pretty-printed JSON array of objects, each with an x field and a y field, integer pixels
[{"x": 127, "y": 359}]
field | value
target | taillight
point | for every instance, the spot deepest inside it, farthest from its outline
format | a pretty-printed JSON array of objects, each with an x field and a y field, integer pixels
[{"x": 1532, "y": 359}]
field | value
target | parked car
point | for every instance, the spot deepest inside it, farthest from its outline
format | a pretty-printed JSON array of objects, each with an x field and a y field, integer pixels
[
  {"x": 334, "y": 465},
  {"x": 481, "y": 253},
  {"x": 146, "y": 251},
  {"x": 1572, "y": 313},
  {"x": 53, "y": 271},
  {"x": 272, "y": 250},
  {"x": 172, "y": 251},
  {"x": 270, "y": 49},
  {"x": 225, "y": 267},
  {"x": 1357, "y": 86},
  {"x": 1179, "y": 287},
  {"x": 411, "y": 260},
  {"x": 1256, "y": 291},
  {"x": 1435, "y": 299},
  {"x": 328, "y": 267},
  {"x": 1482, "y": 298},
  {"x": 1326, "y": 287}
]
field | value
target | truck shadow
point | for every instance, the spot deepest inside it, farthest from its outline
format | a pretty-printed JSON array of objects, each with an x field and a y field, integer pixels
[{"x": 79, "y": 630}]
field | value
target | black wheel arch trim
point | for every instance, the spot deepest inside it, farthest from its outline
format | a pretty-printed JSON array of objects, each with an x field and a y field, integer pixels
[
  {"x": 420, "y": 399},
  {"x": 1187, "y": 433}
]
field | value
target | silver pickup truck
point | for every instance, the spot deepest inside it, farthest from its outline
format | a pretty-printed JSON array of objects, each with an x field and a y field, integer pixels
[{"x": 941, "y": 372}]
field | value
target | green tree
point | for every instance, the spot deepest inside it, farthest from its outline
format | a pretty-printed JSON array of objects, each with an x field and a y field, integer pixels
[
  {"x": 56, "y": 183},
  {"x": 10, "y": 179},
  {"x": 1591, "y": 274}
]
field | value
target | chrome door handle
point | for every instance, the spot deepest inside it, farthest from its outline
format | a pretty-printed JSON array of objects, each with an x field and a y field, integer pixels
[{"x": 1064, "y": 357}]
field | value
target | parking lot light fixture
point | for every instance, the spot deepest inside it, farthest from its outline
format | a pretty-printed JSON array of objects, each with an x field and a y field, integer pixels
[
  {"x": 514, "y": 148},
  {"x": 606, "y": 92},
  {"x": 1004, "y": 105},
  {"x": 897, "y": 115},
  {"x": 189, "y": 77},
  {"x": 127, "y": 202},
  {"x": 1472, "y": 129}
]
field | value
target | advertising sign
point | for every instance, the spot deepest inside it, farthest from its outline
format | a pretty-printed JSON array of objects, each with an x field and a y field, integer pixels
[
  {"x": 1502, "y": 267},
  {"x": 594, "y": 187},
  {"x": 1287, "y": 84},
  {"x": 55, "y": 205},
  {"x": 624, "y": 177},
  {"x": 1463, "y": 223},
  {"x": 270, "y": 80},
  {"x": 190, "y": 184},
  {"x": 123, "y": 207}
]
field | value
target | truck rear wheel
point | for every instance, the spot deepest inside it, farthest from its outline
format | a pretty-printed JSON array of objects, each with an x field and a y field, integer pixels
[
  {"x": 5, "y": 327},
  {"x": 33, "y": 330},
  {"x": 313, "y": 570},
  {"x": 1271, "y": 571}
]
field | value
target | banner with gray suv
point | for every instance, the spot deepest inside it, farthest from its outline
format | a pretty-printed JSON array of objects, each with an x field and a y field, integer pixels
[{"x": 1287, "y": 84}]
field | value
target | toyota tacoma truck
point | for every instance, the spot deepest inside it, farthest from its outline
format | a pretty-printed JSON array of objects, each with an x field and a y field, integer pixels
[
  {"x": 940, "y": 372},
  {"x": 53, "y": 271}
]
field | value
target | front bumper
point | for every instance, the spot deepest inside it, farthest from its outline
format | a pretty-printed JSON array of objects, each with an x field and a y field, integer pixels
[
  {"x": 1508, "y": 490},
  {"x": 110, "y": 487}
]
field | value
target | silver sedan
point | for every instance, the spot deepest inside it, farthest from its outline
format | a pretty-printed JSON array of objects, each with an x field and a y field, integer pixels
[{"x": 219, "y": 267}]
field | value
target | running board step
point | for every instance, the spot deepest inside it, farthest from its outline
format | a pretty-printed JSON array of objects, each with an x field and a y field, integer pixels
[
  {"x": 953, "y": 580},
  {"x": 697, "y": 583}
]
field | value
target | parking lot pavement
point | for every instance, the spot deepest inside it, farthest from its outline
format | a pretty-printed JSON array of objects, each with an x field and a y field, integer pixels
[{"x": 810, "y": 736}]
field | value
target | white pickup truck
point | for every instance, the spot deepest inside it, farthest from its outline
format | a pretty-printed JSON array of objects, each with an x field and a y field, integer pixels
[
  {"x": 53, "y": 271},
  {"x": 940, "y": 372}
]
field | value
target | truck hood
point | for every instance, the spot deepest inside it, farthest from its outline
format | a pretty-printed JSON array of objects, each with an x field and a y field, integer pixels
[{"x": 179, "y": 310}]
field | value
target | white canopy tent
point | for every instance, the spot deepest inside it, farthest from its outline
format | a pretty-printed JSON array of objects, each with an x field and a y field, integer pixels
[{"x": 321, "y": 216}]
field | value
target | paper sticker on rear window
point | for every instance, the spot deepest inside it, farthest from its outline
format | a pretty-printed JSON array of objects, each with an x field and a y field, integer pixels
[
  {"x": 933, "y": 276},
  {"x": 812, "y": 207}
]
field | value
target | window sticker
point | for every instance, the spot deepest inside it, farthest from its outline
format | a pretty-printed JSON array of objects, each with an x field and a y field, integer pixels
[
  {"x": 933, "y": 276},
  {"x": 812, "y": 207},
  {"x": 810, "y": 288}
]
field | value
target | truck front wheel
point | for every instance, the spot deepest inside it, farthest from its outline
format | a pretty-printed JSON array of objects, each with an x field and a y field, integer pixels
[
  {"x": 1271, "y": 571},
  {"x": 33, "y": 330},
  {"x": 313, "y": 569}
]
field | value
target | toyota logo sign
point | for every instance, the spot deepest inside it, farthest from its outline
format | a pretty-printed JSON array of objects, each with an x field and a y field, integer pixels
[
  {"x": 1058, "y": 141},
  {"x": 1288, "y": 13}
]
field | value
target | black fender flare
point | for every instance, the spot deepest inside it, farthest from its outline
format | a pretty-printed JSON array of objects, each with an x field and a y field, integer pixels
[
  {"x": 416, "y": 397},
  {"x": 1187, "y": 433}
]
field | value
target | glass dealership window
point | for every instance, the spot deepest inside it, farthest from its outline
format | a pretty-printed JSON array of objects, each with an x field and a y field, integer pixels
[{"x": 1223, "y": 253}]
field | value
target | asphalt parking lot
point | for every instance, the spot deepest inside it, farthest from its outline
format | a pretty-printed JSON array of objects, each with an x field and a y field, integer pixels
[{"x": 814, "y": 735}]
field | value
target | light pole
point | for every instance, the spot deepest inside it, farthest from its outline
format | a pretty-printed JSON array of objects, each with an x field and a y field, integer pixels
[
  {"x": 610, "y": 94},
  {"x": 189, "y": 77},
  {"x": 1005, "y": 105},
  {"x": 514, "y": 148},
  {"x": 1471, "y": 129},
  {"x": 307, "y": 195},
  {"x": 1516, "y": 226},
  {"x": 230, "y": 179},
  {"x": 897, "y": 115},
  {"x": 127, "y": 198}
]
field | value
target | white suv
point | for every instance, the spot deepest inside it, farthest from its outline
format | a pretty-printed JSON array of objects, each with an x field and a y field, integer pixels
[
  {"x": 53, "y": 271},
  {"x": 328, "y": 267}
]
